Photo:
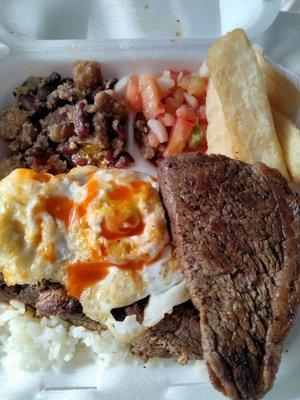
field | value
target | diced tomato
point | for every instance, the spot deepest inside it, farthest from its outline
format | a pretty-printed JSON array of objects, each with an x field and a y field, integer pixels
[
  {"x": 175, "y": 101},
  {"x": 202, "y": 114},
  {"x": 174, "y": 75},
  {"x": 161, "y": 109},
  {"x": 178, "y": 138},
  {"x": 170, "y": 101},
  {"x": 187, "y": 113},
  {"x": 153, "y": 140},
  {"x": 132, "y": 95},
  {"x": 178, "y": 95},
  {"x": 151, "y": 96},
  {"x": 167, "y": 119},
  {"x": 170, "y": 109},
  {"x": 203, "y": 145}
]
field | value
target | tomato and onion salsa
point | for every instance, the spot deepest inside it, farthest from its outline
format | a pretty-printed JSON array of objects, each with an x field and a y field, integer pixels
[{"x": 170, "y": 112}]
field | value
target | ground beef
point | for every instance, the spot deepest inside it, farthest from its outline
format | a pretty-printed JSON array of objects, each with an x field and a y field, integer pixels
[
  {"x": 9, "y": 164},
  {"x": 141, "y": 131},
  {"x": 49, "y": 298},
  {"x": 11, "y": 122},
  {"x": 87, "y": 75},
  {"x": 60, "y": 123},
  {"x": 136, "y": 308}
]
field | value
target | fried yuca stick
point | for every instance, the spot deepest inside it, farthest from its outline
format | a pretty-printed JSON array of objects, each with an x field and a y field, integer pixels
[
  {"x": 219, "y": 139},
  {"x": 282, "y": 93},
  {"x": 241, "y": 88},
  {"x": 289, "y": 138}
]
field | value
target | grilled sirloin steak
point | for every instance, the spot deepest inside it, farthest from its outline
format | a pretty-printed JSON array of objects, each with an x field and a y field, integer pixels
[
  {"x": 48, "y": 298},
  {"x": 236, "y": 229},
  {"x": 176, "y": 335}
]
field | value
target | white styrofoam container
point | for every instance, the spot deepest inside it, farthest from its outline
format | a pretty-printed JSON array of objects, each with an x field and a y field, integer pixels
[{"x": 126, "y": 36}]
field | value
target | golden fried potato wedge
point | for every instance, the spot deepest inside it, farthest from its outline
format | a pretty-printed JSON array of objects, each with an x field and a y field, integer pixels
[
  {"x": 241, "y": 88},
  {"x": 282, "y": 93},
  {"x": 219, "y": 138},
  {"x": 289, "y": 137}
]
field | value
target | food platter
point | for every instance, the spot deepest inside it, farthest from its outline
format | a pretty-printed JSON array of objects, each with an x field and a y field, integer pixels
[
  {"x": 83, "y": 378},
  {"x": 164, "y": 379}
]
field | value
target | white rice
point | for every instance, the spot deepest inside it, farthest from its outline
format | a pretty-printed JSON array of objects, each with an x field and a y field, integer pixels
[{"x": 32, "y": 343}]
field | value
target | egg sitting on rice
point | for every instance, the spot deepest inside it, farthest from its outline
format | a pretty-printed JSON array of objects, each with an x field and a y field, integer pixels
[{"x": 100, "y": 233}]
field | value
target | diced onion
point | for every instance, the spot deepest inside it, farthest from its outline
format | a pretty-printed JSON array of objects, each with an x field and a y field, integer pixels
[
  {"x": 191, "y": 100},
  {"x": 203, "y": 70},
  {"x": 153, "y": 140},
  {"x": 165, "y": 83},
  {"x": 167, "y": 74},
  {"x": 159, "y": 129},
  {"x": 120, "y": 86}
]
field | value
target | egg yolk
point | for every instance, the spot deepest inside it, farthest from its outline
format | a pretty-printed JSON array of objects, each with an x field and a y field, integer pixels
[
  {"x": 116, "y": 226},
  {"x": 29, "y": 174},
  {"x": 122, "y": 220},
  {"x": 125, "y": 220}
]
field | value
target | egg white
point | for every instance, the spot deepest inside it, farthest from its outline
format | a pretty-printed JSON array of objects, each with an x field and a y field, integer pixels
[{"x": 26, "y": 259}]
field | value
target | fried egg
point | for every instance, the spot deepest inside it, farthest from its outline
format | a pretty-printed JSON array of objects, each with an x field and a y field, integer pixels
[{"x": 100, "y": 233}]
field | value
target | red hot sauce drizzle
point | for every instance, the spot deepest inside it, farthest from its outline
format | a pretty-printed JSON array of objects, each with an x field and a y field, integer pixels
[
  {"x": 83, "y": 274},
  {"x": 59, "y": 207}
]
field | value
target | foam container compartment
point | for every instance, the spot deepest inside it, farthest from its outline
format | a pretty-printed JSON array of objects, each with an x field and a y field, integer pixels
[{"x": 126, "y": 36}]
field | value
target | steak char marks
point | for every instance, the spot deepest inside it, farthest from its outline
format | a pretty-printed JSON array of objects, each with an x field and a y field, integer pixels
[{"x": 237, "y": 235}]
